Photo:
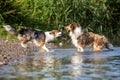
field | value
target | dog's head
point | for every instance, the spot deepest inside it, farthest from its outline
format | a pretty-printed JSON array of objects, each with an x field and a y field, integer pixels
[
  {"x": 71, "y": 27},
  {"x": 56, "y": 33}
]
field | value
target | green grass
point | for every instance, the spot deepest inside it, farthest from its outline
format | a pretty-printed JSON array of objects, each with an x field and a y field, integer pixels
[{"x": 99, "y": 16}]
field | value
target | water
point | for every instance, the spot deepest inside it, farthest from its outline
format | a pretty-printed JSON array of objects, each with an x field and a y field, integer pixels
[{"x": 65, "y": 64}]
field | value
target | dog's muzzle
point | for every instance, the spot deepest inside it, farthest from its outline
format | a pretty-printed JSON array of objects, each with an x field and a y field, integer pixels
[
  {"x": 60, "y": 33},
  {"x": 67, "y": 28}
]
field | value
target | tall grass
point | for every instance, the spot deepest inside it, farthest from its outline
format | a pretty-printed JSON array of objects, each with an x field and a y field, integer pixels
[{"x": 100, "y": 16}]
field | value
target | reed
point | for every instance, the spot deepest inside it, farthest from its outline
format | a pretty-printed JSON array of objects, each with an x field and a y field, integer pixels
[{"x": 100, "y": 16}]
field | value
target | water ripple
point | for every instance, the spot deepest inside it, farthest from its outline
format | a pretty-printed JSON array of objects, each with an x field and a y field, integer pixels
[{"x": 66, "y": 64}]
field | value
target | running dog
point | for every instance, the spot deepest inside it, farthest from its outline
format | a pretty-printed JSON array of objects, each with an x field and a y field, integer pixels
[
  {"x": 40, "y": 38},
  {"x": 82, "y": 39}
]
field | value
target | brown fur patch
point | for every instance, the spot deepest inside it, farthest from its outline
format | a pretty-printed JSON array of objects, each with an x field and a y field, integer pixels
[
  {"x": 41, "y": 43},
  {"x": 23, "y": 41},
  {"x": 96, "y": 41},
  {"x": 71, "y": 27},
  {"x": 91, "y": 39},
  {"x": 54, "y": 32},
  {"x": 86, "y": 39}
]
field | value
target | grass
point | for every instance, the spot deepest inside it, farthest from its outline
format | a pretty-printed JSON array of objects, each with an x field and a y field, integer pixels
[{"x": 99, "y": 16}]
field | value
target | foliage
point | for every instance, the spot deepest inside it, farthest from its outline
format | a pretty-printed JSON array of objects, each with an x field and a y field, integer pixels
[{"x": 99, "y": 16}]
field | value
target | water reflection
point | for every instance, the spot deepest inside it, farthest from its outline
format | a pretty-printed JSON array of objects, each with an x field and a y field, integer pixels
[
  {"x": 76, "y": 60},
  {"x": 39, "y": 68},
  {"x": 65, "y": 64}
]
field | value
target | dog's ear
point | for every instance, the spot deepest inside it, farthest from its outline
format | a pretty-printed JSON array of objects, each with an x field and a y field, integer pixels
[
  {"x": 52, "y": 32},
  {"x": 74, "y": 25}
]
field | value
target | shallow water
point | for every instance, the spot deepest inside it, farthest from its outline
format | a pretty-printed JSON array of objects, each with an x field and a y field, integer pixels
[{"x": 65, "y": 64}]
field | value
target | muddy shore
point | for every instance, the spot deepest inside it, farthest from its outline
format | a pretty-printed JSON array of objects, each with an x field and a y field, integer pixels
[{"x": 11, "y": 50}]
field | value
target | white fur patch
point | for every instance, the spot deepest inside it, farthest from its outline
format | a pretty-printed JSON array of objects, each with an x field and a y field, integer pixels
[
  {"x": 74, "y": 36},
  {"x": 23, "y": 45},
  {"x": 58, "y": 34},
  {"x": 49, "y": 36},
  {"x": 78, "y": 32},
  {"x": 46, "y": 49},
  {"x": 74, "y": 40},
  {"x": 7, "y": 27}
]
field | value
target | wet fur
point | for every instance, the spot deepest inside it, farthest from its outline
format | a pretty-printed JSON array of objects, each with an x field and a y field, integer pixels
[{"x": 82, "y": 39}]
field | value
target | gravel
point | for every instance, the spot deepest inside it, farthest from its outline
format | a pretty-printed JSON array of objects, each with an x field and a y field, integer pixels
[{"x": 11, "y": 50}]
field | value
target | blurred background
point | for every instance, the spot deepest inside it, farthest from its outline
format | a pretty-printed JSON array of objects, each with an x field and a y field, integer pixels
[{"x": 99, "y": 16}]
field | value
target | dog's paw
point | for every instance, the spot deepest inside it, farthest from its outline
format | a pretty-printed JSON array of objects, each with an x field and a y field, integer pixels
[{"x": 24, "y": 45}]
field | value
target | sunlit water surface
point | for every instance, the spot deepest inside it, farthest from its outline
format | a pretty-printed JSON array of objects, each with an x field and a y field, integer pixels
[{"x": 65, "y": 64}]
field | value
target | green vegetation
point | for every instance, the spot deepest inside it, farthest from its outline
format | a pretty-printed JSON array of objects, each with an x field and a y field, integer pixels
[{"x": 99, "y": 16}]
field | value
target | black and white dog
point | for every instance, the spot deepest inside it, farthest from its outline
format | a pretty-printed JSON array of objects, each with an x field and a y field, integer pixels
[{"x": 40, "y": 38}]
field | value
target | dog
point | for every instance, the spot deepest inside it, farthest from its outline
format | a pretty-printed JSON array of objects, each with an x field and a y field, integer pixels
[
  {"x": 82, "y": 39},
  {"x": 40, "y": 38}
]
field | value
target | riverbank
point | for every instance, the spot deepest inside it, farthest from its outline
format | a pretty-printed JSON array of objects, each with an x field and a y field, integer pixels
[{"x": 11, "y": 50}]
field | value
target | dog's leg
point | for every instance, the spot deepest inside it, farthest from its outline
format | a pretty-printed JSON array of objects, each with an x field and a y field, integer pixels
[
  {"x": 97, "y": 48},
  {"x": 94, "y": 47},
  {"x": 23, "y": 44},
  {"x": 41, "y": 44},
  {"x": 44, "y": 47},
  {"x": 80, "y": 49},
  {"x": 23, "y": 40}
]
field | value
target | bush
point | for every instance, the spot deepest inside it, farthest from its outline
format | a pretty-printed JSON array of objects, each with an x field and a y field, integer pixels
[{"x": 100, "y": 16}]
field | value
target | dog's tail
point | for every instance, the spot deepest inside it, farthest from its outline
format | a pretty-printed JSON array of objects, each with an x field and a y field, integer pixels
[
  {"x": 10, "y": 29},
  {"x": 109, "y": 46}
]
